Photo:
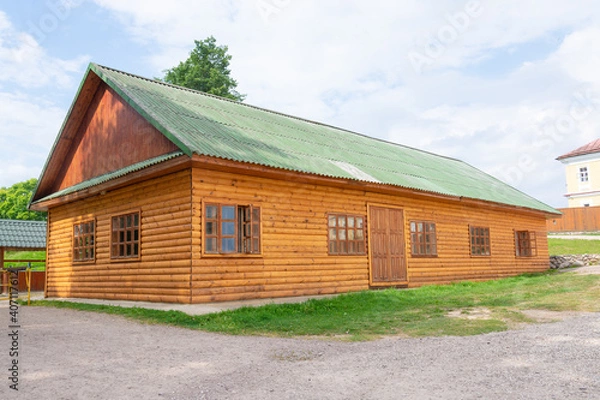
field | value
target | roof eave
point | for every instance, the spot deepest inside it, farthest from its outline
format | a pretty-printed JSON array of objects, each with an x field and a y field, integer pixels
[
  {"x": 172, "y": 163},
  {"x": 239, "y": 167},
  {"x": 583, "y": 153}
]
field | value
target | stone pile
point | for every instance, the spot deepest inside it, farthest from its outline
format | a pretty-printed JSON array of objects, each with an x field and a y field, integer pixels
[{"x": 580, "y": 260}]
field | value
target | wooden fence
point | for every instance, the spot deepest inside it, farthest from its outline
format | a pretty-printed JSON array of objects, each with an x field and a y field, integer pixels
[
  {"x": 581, "y": 219},
  {"x": 36, "y": 283},
  {"x": 38, "y": 278}
]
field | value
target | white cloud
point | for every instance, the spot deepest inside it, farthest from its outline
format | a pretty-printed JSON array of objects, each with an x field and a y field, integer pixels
[
  {"x": 579, "y": 55},
  {"x": 27, "y": 130},
  {"x": 25, "y": 63},
  {"x": 346, "y": 63},
  {"x": 29, "y": 117}
]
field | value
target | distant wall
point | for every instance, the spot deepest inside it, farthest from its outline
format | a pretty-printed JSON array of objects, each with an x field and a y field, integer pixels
[{"x": 581, "y": 219}]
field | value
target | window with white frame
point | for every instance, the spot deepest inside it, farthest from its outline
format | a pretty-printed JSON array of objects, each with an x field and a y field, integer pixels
[{"x": 583, "y": 175}]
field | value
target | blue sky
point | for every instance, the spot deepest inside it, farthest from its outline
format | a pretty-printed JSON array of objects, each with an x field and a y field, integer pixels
[{"x": 494, "y": 83}]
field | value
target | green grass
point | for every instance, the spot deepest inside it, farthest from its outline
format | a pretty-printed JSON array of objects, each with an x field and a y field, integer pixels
[
  {"x": 26, "y": 255},
  {"x": 573, "y": 246},
  {"x": 370, "y": 314},
  {"x": 414, "y": 313}
]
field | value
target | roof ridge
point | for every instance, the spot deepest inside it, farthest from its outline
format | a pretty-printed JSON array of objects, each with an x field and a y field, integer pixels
[{"x": 275, "y": 112}]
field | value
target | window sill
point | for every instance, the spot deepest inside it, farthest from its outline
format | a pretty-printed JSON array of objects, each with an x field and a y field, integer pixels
[
  {"x": 424, "y": 255},
  {"x": 87, "y": 262},
  {"x": 125, "y": 259},
  {"x": 230, "y": 255}
]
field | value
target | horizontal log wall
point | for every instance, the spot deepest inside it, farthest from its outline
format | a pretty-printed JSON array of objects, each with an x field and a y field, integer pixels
[
  {"x": 294, "y": 261},
  {"x": 295, "y": 258},
  {"x": 580, "y": 219},
  {"x": 163, "y": 271}
]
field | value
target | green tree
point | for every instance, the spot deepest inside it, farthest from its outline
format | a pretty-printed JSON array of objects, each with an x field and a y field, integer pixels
[
  {"x": 206, "y": 70},
  {"x": 14, "y": 200}
]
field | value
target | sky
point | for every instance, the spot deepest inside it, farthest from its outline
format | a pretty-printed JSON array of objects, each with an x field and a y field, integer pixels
[{"x": 506, "y": 86}]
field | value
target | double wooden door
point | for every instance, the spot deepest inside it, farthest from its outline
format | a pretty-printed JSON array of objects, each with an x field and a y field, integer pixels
[{"x": 386, "y": 246}]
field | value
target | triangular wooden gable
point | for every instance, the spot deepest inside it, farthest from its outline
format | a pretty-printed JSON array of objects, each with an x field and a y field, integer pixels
[{"x": 103, "y": 133}]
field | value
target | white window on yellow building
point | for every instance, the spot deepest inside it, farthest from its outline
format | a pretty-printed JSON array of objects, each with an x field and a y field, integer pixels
[{"x": 583, "y": 175}]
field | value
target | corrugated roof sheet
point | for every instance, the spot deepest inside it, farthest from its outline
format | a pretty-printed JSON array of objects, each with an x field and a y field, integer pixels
[
  {"x": 208, "y": 125},
  {"x": 22, "y": 234},
  {"x": 112, "y": 175},
  {"x": 590, "y": 148}
]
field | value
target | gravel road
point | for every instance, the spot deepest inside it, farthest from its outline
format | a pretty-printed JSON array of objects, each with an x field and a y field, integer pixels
[{"x": 67, "y": 354}]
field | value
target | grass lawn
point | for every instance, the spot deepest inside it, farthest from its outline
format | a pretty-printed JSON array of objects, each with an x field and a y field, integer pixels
[
  {"x": 25, "y": 255},
  {"x": 416, "y": 312},
  {"x": 370, "y": 314},
  {"x": 576, "y": 246}
]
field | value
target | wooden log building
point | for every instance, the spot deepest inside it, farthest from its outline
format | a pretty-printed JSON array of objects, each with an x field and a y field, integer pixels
[{"x": 160, "y": 193}]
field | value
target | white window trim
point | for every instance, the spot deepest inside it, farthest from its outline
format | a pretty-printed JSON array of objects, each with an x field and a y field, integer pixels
[
  {"x": 580, "y": 174},
  {"x": 584, "y": 185}
]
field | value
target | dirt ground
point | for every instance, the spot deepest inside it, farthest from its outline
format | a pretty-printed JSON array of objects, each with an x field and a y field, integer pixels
[
  {"x": 590, "y": 270},
  {"x": 571, "y": 236},
  {"x": 67, "y": 354}
]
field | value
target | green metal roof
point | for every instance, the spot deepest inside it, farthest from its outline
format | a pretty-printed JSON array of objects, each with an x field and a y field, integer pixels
[
  {"x": 203, "y": 124},
  {"x": 22, "y": 234}
]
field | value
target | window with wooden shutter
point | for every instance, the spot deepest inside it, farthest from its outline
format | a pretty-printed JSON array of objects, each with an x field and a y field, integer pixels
[
  {"x": 232, "y": 229},
  {"x": 250, "y": 235}
]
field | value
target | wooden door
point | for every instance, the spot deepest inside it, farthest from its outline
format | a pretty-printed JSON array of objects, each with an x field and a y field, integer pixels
[{"x": 386, "y": 245}]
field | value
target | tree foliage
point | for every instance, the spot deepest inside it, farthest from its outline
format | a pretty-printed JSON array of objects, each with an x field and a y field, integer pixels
[
  {"x": 206, "y": 70},
  {"x": 14, "y": 201}
]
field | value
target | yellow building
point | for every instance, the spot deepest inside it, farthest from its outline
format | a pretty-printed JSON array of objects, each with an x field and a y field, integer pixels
[{"x": 582, "y": 167}]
